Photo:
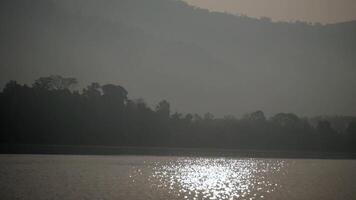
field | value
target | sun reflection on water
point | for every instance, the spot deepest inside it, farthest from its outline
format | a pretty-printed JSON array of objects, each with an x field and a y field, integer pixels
[{"x": 205, "y": 178}]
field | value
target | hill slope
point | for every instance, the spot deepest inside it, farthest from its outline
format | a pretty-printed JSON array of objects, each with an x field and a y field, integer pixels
[{"x": 198, "y": 60}]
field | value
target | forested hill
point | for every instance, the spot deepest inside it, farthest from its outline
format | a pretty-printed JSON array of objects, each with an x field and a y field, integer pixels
[{"x": 223, "y": 63}]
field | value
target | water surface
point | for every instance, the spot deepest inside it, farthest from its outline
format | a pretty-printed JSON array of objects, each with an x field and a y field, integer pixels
[{"x": 149, "y": 177}]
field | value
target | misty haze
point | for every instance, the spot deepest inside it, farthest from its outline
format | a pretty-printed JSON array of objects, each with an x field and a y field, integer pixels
[
  {"x": 173, "y": 99},
  {"x": 207, "y": 62}
]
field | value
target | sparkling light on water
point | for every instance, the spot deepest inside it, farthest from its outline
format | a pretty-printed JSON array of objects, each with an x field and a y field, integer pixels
[{"x": 217, "y": 178}]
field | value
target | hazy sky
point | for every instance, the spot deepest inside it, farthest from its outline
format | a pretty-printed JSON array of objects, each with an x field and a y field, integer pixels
[{"x": 324, "y": 11}]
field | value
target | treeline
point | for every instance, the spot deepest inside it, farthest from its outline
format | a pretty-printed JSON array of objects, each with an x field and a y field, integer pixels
[{"x": 50, "y": 112}]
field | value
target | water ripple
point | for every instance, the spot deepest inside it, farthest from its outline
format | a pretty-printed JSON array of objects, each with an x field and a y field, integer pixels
[{"x": 208, "y": 178}]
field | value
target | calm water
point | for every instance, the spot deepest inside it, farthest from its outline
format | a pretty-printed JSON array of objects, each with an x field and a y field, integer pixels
[{"x": 146, "y": 177}]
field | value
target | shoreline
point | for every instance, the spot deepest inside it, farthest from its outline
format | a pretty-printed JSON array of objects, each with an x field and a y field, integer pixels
[{"x": 164, "y": 151}]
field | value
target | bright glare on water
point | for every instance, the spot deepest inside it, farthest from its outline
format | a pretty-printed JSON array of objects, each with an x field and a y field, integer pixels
[
  {"x": 205, "y": 178},
  {"x": 59, "y": 177}
]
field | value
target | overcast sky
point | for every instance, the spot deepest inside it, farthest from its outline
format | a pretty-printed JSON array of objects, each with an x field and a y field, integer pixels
[{"x": 324, "y": 11}]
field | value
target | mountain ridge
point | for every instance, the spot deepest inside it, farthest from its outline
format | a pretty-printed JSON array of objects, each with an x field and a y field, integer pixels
[{"x": 219, "y": 60}]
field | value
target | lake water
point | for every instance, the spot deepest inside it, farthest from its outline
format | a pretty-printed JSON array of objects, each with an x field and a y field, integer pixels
[{"x": 149, "y": 177}]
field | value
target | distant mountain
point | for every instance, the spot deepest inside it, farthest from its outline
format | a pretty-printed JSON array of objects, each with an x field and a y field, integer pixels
[{"x": 198, "y": 60}]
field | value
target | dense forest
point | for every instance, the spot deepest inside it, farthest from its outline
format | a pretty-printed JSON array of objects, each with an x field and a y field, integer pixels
[{"x": 51, "y": 112}]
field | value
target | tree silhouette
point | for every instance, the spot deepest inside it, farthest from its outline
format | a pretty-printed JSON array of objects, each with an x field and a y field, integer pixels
[
  {"x": 163, "y": 109},
  {"x": 50, "y": 113},
  {"x": 257, "y": 116},
  {"x": 115, "y": 93},
  {"x": 92, "y": 91},
  {"x": 351, "y": 132},
  {"x": 55, "y": 82}
]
